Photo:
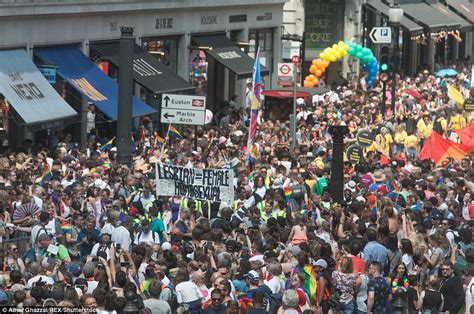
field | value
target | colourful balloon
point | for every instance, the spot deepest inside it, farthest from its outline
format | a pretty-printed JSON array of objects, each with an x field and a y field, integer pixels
[
  {"x": 338, "y": 55},
  {"x": 332, "y": 58},
  {"x": 308, "y": 84},
  {"x": 315, "y": 82},
  {"x": 318, "y": 73},
  {"x": 313, "y": 68},
  {"x": 314, "y": 62}
]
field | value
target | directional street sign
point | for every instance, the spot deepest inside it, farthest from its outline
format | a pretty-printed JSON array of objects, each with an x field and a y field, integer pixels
[
  {"x": 183, "y": 109},
  {"x": 381, "y": 35}
]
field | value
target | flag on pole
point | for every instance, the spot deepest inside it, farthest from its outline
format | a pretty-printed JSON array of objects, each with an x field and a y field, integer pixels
[
  {"x": 254, "y": 108},
  {"x": 174, "y": 133},
  {"x": 455, "y": 95},
  {"x": 159, "y": 139},
  {"x": 46, "y": 175},
  {"x": 107, "y": 145}
]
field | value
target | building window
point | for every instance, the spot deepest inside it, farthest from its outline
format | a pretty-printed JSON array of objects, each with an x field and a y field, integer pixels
[
  {"x": 165, "y": 49},
  {"x": 262, "y": 38}
]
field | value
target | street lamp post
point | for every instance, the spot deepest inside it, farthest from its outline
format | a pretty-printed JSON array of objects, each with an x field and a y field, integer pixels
[{"x": 395, "y": 14}]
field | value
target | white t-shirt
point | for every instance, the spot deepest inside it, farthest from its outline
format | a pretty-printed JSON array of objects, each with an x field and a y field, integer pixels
[
  {"x": 91, "y": 285},
  {"x": 147, "y": 238},
  {"x": 470, "y": 295},
  {"x": 187, "y": 292},
  {"x": 275, "y": 284},
  {"x": 408, "y": 261},
  {"x": 36, "y": 231},
  {"x": 121, "y": 235},
  {"x": 46, "y": 279},
  {"x": 157, "y": 306}
]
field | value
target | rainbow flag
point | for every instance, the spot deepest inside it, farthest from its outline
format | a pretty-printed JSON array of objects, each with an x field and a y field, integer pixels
[
  {"x": 209, "y": 142},
  {"x": 174, "y": 133},
  {"x": 254, "y": 154},
  {"x": 310, "y": 283},
  {"x": 46, "y": 175},
  {"x": 159, "y": 140},
  {"x": 107, "y": 145},
  {"x": 107, "y": 165},
  {"x": 245, "y": 300},
  {"x": 66, "y": 227},
  {"x": 255, "y": 107},
  {"x": 288, "y": 193}
]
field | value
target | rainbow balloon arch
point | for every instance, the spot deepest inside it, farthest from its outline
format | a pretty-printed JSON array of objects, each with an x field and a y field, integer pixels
[{"x": 338, "y": 51}]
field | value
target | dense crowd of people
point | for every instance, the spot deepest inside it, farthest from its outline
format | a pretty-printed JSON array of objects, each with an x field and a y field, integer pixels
[{"x": 101, "y": 238}]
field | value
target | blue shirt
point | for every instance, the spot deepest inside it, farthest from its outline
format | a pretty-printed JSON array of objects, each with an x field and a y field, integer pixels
[
  {"x": 381, "y": 288},
  {"x": 375, "y": 252},
  {"x": 86, "y": 247}
]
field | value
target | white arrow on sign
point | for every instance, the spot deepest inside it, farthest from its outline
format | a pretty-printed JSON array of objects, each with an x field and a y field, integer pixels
[{"x": 381, "y": 35}]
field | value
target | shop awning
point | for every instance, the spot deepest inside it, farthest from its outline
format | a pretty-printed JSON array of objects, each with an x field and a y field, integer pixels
[
  {"x": 464, "y": 24},
  {"x": 89, "y": 80},
  {"x": 429, "y": 17},
  {"x": 382, "y": 8},
  {"x": 29, "y": 93},
  {"x": 224, "y": 51},
  {"x": 463, "y": 7},
  {"x": 147, "y": 70}
]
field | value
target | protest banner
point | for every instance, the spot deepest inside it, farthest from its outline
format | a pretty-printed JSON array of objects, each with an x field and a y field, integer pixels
[{"x": 215, "y": 185}]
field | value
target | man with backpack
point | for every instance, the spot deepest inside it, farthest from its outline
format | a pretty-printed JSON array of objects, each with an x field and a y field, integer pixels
[{"x": 147, "y": 236}]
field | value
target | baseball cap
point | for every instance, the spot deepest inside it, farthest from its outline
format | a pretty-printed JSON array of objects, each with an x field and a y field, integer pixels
[
  {"x": 3, "y": 297},
  {"x": 43, "y": 237},
  {"x": 252, "y": 275},
  {"x": 166, "y": 246},
  {"x": 321, "y": 263},
  {"x": 294, "y": 249},
  {"x": 107, "y": 229},
  {"x": 75, "y": 269}
]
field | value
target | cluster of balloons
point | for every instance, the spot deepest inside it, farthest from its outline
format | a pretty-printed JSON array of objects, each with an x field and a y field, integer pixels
[
  {"x": 318, "y": 66},
  {"x": 368, "y": 60},
  {"x": 336, "y": 52}
]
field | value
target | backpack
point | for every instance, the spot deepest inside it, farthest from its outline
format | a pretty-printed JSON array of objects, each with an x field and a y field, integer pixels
[
  {"x": 273, "y": 300},
  {"x": 140, "y": 234},
  {"x": 173, "y": 300}
]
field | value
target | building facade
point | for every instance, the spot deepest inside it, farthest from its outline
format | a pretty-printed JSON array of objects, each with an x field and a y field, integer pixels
[{"x": 186, "y": 36}]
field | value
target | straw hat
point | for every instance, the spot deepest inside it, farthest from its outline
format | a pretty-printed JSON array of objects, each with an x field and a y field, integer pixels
[{"x": 378, "y": 176}]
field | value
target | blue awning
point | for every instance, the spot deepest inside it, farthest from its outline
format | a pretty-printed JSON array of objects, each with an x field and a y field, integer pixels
[
  {"x": 89, "y": 80},
  {"x": 30, "y": 94}
]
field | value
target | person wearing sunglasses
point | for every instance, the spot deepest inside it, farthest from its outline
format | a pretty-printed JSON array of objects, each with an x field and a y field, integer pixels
[
  {"x": 12, "y": 261},
  {"x": 451, "y": 288},
  {"x": 216, "y": 306}
]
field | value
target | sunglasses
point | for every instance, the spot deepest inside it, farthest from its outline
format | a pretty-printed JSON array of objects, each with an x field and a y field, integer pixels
[{"x": 14, "y": 249}]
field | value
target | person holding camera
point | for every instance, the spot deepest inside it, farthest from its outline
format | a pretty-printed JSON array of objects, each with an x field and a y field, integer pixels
[{"x": 103, "y": 247}]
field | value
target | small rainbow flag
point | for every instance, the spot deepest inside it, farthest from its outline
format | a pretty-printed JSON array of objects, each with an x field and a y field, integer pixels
[
  {"x": 46, "y": 175},
  {"x": 209, "y": 142},
  {"x": 174, "y": 133},
  {"x": 159, "y": 139},
  {"x": 107, "y": 145},
  {"x": 253, "y": 154},
  {"x": 107, "y": 165},
  {"x": 288, "y": 193},
  {"x": 66, "y": 227}
]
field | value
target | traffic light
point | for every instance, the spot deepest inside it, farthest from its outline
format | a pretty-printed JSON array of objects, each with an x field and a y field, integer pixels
[{"x": 385, "y": 59}]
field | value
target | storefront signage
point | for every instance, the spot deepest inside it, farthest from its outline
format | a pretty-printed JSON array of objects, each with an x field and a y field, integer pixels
[
  {"x": 49, "y": 73},
  {"x": 237, "y": 18},
  {"x": 355, "y": 154},
  {"x": 469, "y": 104},
  {"x": 229, "y": 55},
  {"x": 203, "y": 184},
  {"x": 208, "y": 20},
  {"x": 324, "y": 22},
  {"x": 164, "y": 23},
  {"x": 365, "y": 138},
  {"x": 266, "y": 17}
]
